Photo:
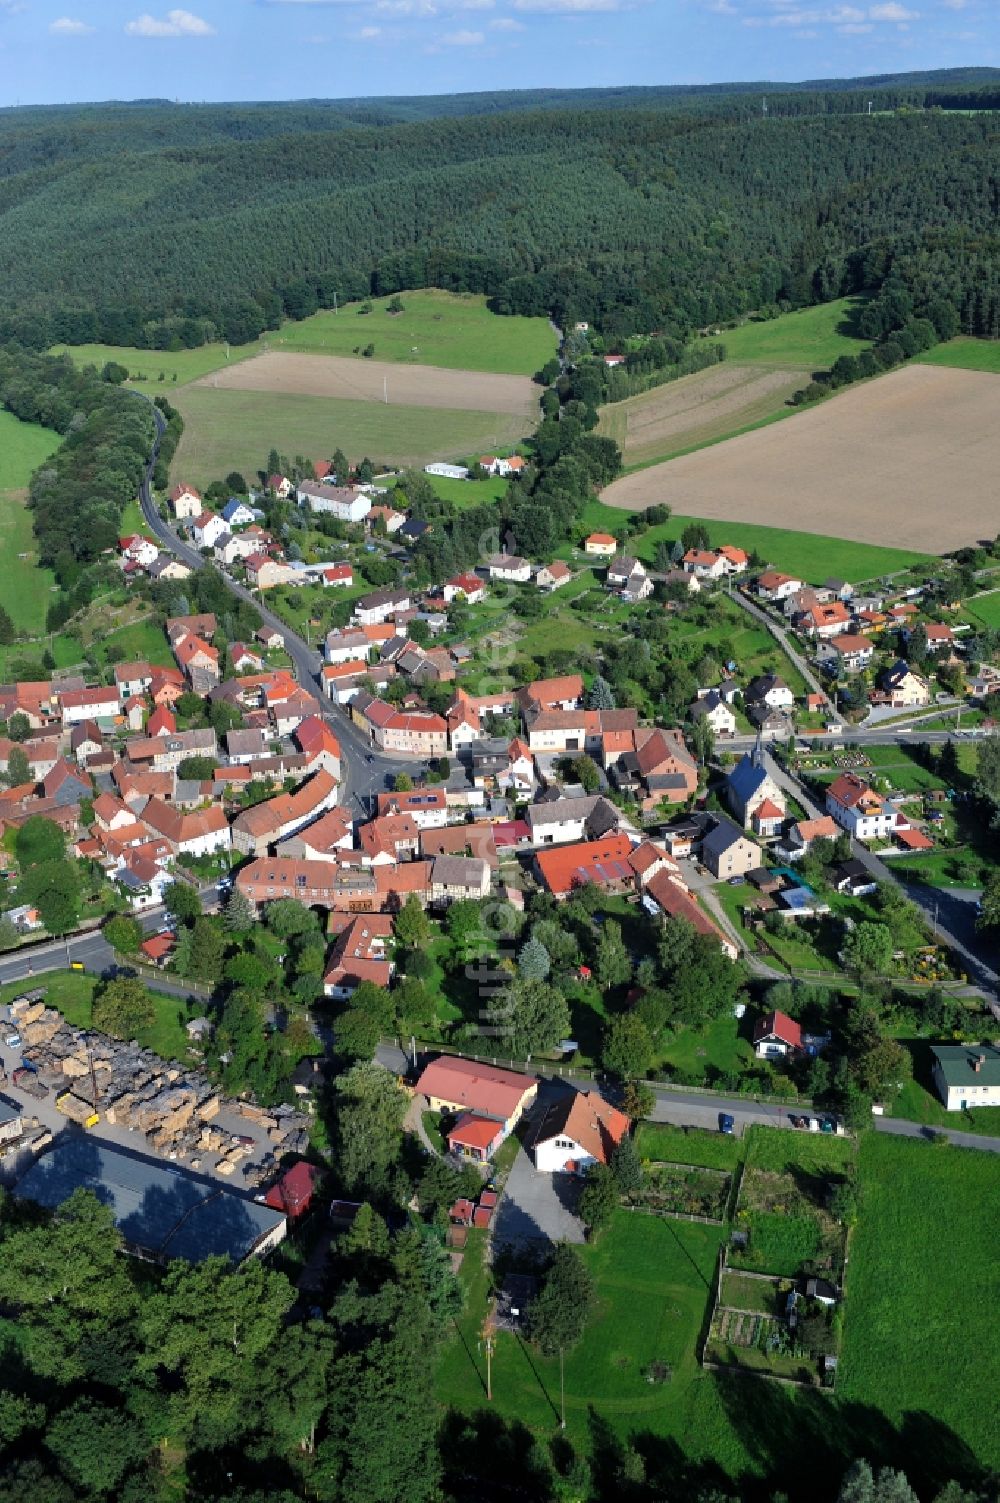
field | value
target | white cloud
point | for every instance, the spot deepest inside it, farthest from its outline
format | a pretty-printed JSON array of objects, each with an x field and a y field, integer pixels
[
  {"x": 463, "y": 39},
  {"x": 570, "y": 7},
  {"x": 506, "y": 23},
  {"x": 955, "y": 4},
  {"x": 848, "y": 20},
  {"x": 855, "y": 29},
  {"x": 66, "y": 26},
  {"x": 892, "y": 12},
  {"x": 176, "y": 23}
]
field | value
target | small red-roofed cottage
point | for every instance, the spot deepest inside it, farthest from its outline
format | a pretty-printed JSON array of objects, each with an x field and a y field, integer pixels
[
  {"x": 162, "y": 722},
  {"x": 293, "y": 1192},
  {"x": 775, "y": 1035},
  {"x": 475, "y": 1137},
  {"x": 338, "y": 577},
  {"x": 767, "y": 819}
]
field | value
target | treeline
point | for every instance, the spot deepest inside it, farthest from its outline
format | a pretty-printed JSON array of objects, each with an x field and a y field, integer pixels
[
  {"x": 78, "y": 495},
  {"x": 636, "y": 220},
  {"x": 924, "y": 296}
]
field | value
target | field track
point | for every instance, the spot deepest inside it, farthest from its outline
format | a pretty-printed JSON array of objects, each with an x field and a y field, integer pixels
[
  {"x": 347, "y": 379},
  {"x": 909, "y": 460}
]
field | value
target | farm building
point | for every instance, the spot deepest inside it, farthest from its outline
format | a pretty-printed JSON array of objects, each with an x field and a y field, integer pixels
[
  {"x": 161, "y": 1211},
  {"x": 452, "y": 1084}
]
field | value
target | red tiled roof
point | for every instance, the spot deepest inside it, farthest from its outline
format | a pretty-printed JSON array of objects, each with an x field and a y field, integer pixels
[
  {"x": 780, "y": 1026},
  {"x": 482, "y": 1088},
  {"x": 605, "y": 862},
  {"x": 475, "y": 1132},
  {"x": 294, "y": 1190}
]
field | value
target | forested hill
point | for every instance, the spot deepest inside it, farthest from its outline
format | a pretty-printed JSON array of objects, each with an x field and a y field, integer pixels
[{"x": 147, "y": 224}]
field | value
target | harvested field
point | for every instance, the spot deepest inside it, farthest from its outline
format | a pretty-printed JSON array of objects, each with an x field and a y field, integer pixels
[
  {"x": 346, "y": 379},
  {"x": 697, "y": 410},
  {"x": 226, "y": 430},
  {"x": 911, "y": 456}
]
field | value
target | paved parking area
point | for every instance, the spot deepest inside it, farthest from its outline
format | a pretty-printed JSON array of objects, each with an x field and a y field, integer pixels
[{"x": 538, "y": 1207}]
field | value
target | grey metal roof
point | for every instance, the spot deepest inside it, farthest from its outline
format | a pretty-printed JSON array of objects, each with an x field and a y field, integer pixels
[
  {"x": 721, "y": 838},
  {"x": 159, "y": 1209}
]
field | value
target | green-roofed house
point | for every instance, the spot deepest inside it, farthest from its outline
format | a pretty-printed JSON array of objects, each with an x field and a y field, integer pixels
[{"x": 967, "y": 1075}]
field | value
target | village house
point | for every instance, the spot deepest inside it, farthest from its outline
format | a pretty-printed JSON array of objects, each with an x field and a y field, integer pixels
[
  {"x": 800, "y": 837},
  {"x": 360, "y": 954},
  {"x": 604, "y": 862},
  {"x": 262, "y": 825},
  {"x": 580, "y": 1129},
  {"x": 337, "y": 577},
  {"x": 771, "y": 690},
  {"x": 825, "y": 621},
  {"x": 427, "y": 806},
  {"x": 165, "y": 566},
  {"x": 238, "y": 545},
  {"x": 455, "y": 878},
  {"x": 417, "y": 733},
  {"x": 510, "y": 567},
  {"x": 97, "y": 704},
  {"x": 207, "y": 529},
  {"x": 858, "y": 809},
  {"x": 323, "y": 840},
  {"x": 200, "y": 833},
  {"x": 377, "y": 607},
  {"x": 903, "y": 689},
  {"x": 552, "y": 576},
  {"x": 280, "y": 486},
  {"x": 776, "y": 1035},
  {"x": 600, "y": 545},
  {"x": 186, "y": 502},
  {"x": 673, "y": 900},
  {"x": 938, "y": 636},
  {"x": 628, "y": 577},
  {"x": 199, "y": 660},
  {"x": 710, "y": 707},
  {"x": 132, "y": 678},
  {"x": 264, "y": 573},
  {"x": 565, "y": 693},
  {"x": 137, "y": 549},
  {"x": 850, "y": 653},
  {"x": 496, "y": 464},
  {"x": 967, "y": 1075},
  {"x": 237, "y": 513},
  {"x": 565, "y": 820},
  {"x": 772, "y": 585},
  {"x": 659, "y": 767},
  {"x": 467, "y": 587},
  {"x": 244, "y": 658},
  {"x": 727, "y": 852},
  {"x": 338, "y": 501},
  {"x": 703, "y": 564}
]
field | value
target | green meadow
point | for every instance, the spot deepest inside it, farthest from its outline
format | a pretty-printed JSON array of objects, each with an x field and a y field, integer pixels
[
  {"x": 811, "y": 338},
  {"x": 24, "y": 586}
]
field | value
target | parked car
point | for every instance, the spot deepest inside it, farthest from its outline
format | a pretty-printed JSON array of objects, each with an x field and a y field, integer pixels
[
  {"x": 13, "y": 1041},
  {"x": 245, "y": 1139},
  {"x": 726, "y": 1123}
]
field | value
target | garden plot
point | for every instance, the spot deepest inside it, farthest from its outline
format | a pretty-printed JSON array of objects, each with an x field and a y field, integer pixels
[
  {"x": 684, "y": 1190},
  {"x": 768, "y": 1326}
]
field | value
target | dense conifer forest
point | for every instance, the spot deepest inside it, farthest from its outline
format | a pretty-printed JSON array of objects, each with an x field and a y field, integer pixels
[{"x": 160, "y": 226}]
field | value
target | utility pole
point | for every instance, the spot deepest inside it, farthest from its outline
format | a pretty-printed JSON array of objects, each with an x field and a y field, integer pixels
[
  {"x": 335, "y": 308},
  {"x": 562, "y": 1389},
  {"x": 385, "y": 390},
  {"x": 489, "y": 1333}
]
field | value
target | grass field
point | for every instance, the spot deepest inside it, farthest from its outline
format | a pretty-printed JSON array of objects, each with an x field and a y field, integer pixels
[
  {"x": 227, "y": 430},
  {"x": 923, "y": 1272},
  {"x": 965, "y": 354},
  {"x": 811, "y": 338},
  {"x": 810, "y": 555},
  {"x": 985, "y": 608},
  {"x": 869, "y": 464},
  {"x": 72, "y": 994},
  {"x": 436, "y": 328},
  {"x": 25, "y": 589},
  {"x": 688, "y": 1145}
]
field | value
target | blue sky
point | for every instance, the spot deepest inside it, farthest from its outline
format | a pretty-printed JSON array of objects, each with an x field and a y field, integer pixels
[{"x": 52, "y": 51}]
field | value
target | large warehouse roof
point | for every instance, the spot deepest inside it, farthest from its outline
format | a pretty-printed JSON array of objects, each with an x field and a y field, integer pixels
[{"x": 159, "y": 1210}]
